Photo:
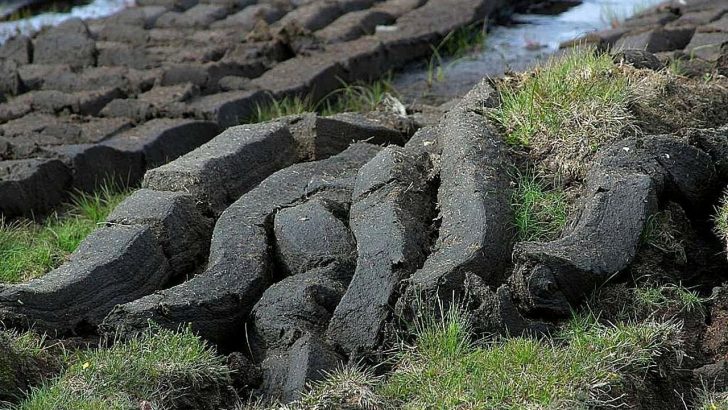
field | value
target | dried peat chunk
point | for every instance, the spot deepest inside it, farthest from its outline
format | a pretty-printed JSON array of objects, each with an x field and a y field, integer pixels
[
  {"x": 621, "y": 193},
  {"x": 321, "y": 137},
  {"x": 287, "y": 373},
  {"x": 114, "y": 265},
  {"x": 69, "y": 43},
  {"x": 311, "y": 235},
  {"x": 32, "y": 186},
  {"x": 217, "y": 301},
  {"x": 476, "y": 233},
  {"x": 390, "y": 216},
  {"x": 232, "y": 163},
  {"x": 176, "y": 222},
  {"x": 163, "y": 140},
  {"x": 297, "y": 305},
  {"x": 227, "y": 109}
]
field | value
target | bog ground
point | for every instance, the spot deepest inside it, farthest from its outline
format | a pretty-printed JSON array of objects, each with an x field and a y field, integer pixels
[{"x": 216, "y": 206}]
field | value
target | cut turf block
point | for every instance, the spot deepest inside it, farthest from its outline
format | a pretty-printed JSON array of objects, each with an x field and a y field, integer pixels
[{"x": 216, "y": 302}]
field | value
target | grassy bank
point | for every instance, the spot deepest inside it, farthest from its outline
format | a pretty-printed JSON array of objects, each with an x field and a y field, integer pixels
[
  {"x": 586, "y": 363},
  {"x": 157, "y": 370},
  {"x": 29, "y": 249}
]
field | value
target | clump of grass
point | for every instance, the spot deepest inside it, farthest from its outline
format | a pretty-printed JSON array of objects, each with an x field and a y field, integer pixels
[
  {"x": 581, "y": 367},
  {"x": 164, "y": 369},
  {"x": 349, "y": 98},
  {"x": 540, "y": 212},
  {"x": 720, "y": 219},
  {"x": 28, "y": 249},
  {"x": 661, "y": 234},
  {"x": 281, "y": 108},
  {"x": 345, "y": 388},
  {"x": 710, "y": 400},
  {"x": 676, "y": 67},
  {"x": 648, "y": 301},
  {"x": 566, "y": 109},
  {"x": 455, "y": 46},
  {"x": 669, "y": 297},
  {"x": 357, "y": 97}
]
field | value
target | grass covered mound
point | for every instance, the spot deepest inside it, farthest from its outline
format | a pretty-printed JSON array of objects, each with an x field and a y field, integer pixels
[
  {"x": 564, "y": 111},
  {"x": 589, "y": 362},
  {"x": 29, "y": 249},
  {"x": 25, "y": 360},
  {"x": 159, "y": 370},
  {"x": 582, "y": 366}
]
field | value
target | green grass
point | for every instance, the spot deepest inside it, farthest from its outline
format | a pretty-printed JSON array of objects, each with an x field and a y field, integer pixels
[
  {"x": 455, "y": 46},
  {"x": 676, "y": 67},
  {"x": 281, "y": 108},
  {"x": 165, "y": 369},
  {"x": 709, "y": 400},
  {"x": 28, "y": 249},
  {"x": 720, "y": 219},
  {"x": 671, "y": 297},
  {"x": 579, "y": 368},
  {"x": 348, "y": 98},
  {"x": 567, "y": 108},
  {"x": 540, "y": 212}
]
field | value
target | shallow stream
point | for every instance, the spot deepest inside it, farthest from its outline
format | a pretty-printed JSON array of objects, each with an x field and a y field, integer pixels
[
  {"x": 528, "y": 39},
  {"x": 94, "y": 9}
]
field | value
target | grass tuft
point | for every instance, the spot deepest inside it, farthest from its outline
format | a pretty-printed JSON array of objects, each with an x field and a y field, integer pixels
[
  {"x": 661, "y": 234},
  {"x": 28, "y": 249},
  {"x": 648, "y": 301},
  {"x": 584, "y": 364},
  {"x": 540, "y": 212},
  {"x": 349, "y": 98},
  {"x": 566, "y": 109},
  {"x": 164, "y": 369},
  {"x": 357, "y": 97},
  {"x": 281, "y": 108},
  {"x": 675, "y": 298},
  {"x": 710, "y": 400},
  {"x": 720, "y": 219},
  {"x": 346, "y": 388},
  {"x": 454, "y": 47}
]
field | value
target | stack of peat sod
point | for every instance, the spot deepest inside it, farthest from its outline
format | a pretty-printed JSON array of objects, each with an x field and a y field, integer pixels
[{"x": 303, "y": 243}]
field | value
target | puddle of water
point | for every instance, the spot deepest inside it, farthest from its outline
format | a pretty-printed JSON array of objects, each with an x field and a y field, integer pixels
[
  {"x": 514, "y": 48},
  {"x": 95, "y": 9}
]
